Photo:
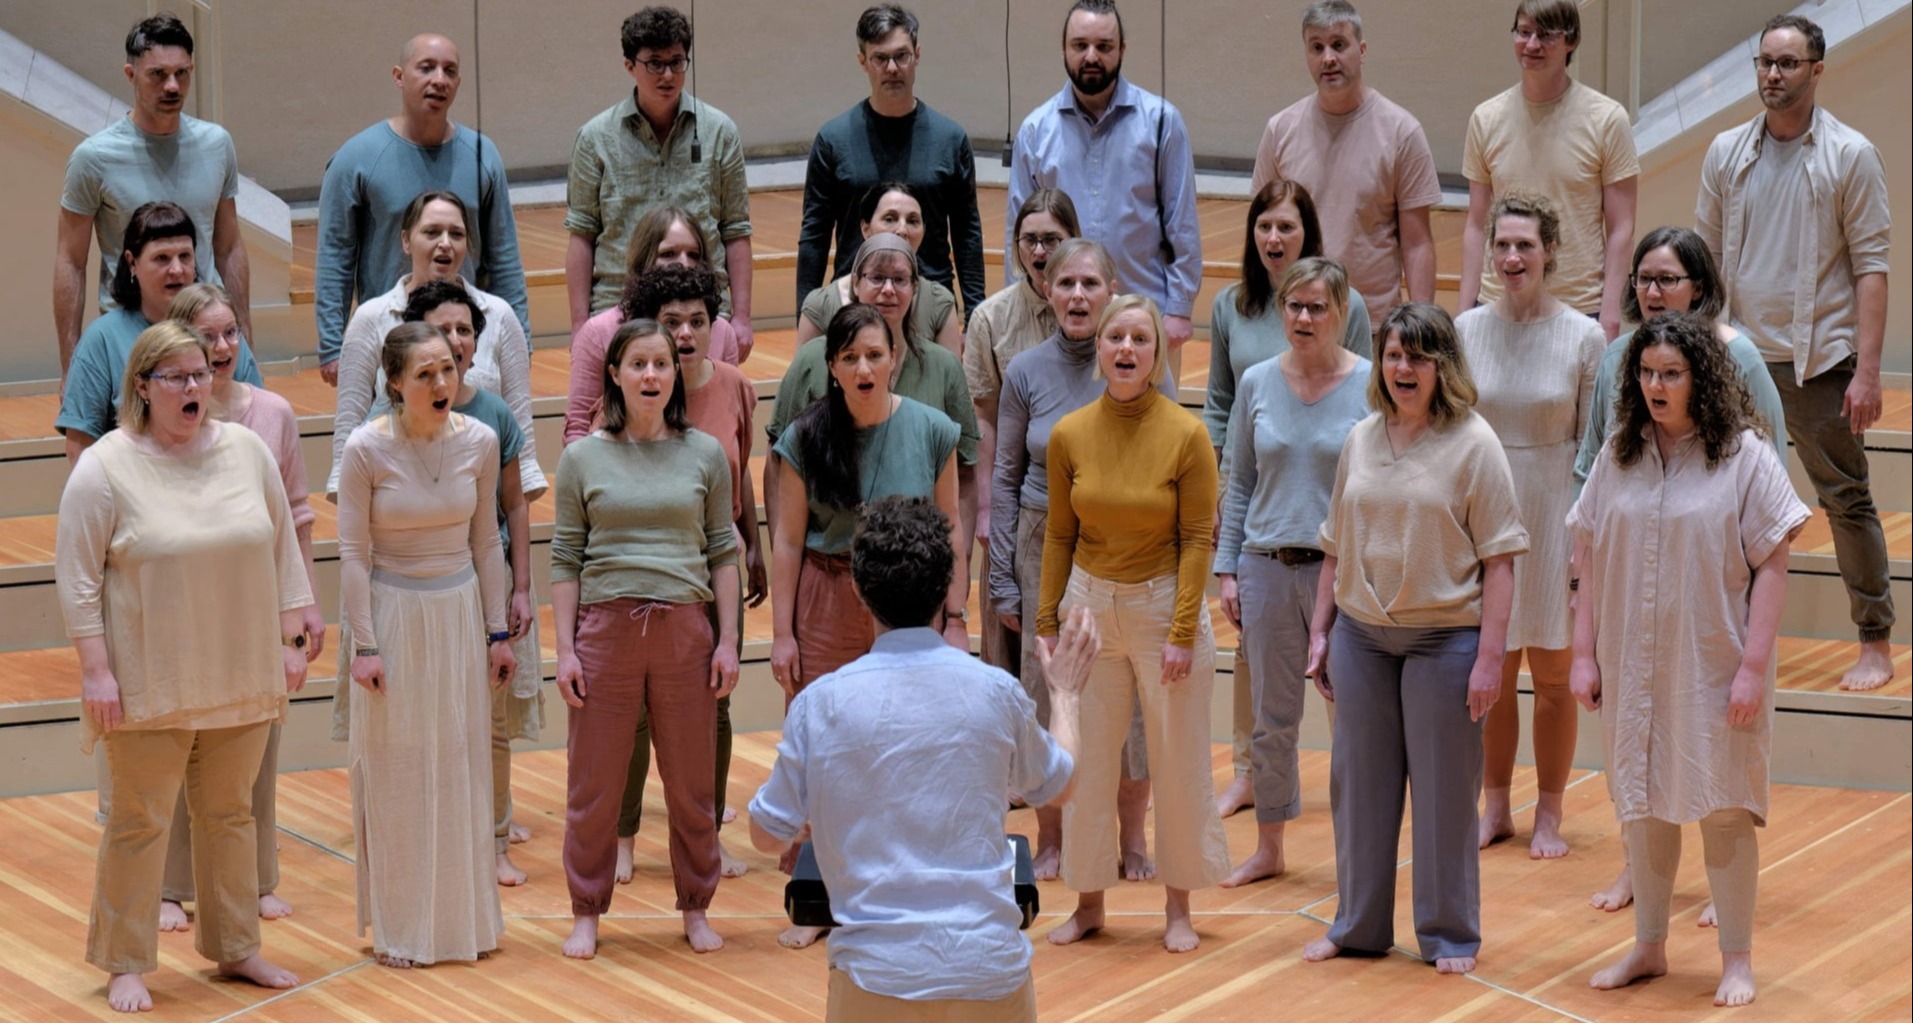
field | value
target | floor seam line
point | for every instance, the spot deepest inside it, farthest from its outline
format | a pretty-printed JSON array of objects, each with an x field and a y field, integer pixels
[{"x": 289, "y": 992}]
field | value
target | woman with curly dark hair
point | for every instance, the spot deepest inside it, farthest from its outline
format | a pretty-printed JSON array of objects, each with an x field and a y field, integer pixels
[{"x": 1686, "y": 520}]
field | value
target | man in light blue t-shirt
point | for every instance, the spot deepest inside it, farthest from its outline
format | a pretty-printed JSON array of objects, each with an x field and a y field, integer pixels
[
  {"x": 376, "y": 174},
  {"x": 920, "y": 876},
  {"x": 154, "y": 153}
]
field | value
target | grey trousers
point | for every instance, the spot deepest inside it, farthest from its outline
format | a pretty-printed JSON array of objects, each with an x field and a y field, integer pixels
[
  {"x": 1277, "y": 602},
  {"x": 1030, "y": 525},
  {"x": 1403, "y": 695},
  {"x": 1836, "y": 462}
]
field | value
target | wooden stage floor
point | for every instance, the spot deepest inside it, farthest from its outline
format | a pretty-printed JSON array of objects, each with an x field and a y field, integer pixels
[{"x": 1834, "y": 940}]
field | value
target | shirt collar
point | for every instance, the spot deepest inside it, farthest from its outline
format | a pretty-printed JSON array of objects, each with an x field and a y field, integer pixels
[
  {"x": 908, "y": 641},
  {"x": 1813, "y": 129},
  {"x": 628, "y": 107},
  {"x": 1127, "y": 95}
]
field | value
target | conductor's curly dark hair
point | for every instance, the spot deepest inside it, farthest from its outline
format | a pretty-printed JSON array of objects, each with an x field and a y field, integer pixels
[
  {"x": 901, "y": 560},
  {"x": 1718, "y": 399}
]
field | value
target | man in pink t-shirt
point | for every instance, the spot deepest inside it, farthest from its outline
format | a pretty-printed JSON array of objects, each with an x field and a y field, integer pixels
[{"x": 1365, "y": 162}]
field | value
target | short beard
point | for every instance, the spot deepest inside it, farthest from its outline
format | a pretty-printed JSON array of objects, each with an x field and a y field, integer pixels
[{"x": 1108, "y": 83}]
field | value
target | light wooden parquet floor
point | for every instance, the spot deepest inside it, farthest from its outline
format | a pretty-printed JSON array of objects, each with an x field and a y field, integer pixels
[{"x": 1834, "y": 941}]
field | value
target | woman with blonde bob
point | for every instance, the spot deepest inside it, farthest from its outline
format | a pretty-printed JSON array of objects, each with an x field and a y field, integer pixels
[
  {"x": 180, "y": 581},
  {"x": 1132, "y": 496},
  {"x": 1420, "y": 538}
]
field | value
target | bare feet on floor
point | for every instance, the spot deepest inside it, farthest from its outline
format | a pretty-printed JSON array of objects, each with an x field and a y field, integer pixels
[
  {"x": 799, "y": 937},
  {"x": 256, "y": 969},
  {"x": 1263, "y": 862},
  {"x": 1548, "y": 843},
  {"x": 730, "y": 866},
  {"x": 1048, "y": 863},
  {"x": 1708, "y": 918},
  {"x": 1736, "y": 979},
  {"x": 126, "y": 992},
  {"x": 1179, "y": 931},
  {"x": 517, "y": 834},
  {"x": 1319, "y": 950},
  {"x": 392, "y": 962},
  {"x": 1617, "y": 896},
  {"x": 1137, "y": 866},
  {"x": 583, "y": 943},
  {"x": 1642, "y": 961},
  {"x": 1873, "y": 670},
  {"x": 1497, "y": 819},
  {"x": 272, "y": 907},
  {"x": 626, "y": 845},
  {"x": 172, "y": 917},
  {"x": 508, "y": 873},
  {"x": 1087, "y": 920},
  {"x": 697, "y": 931},
  {"x": 1237, "y": 796},
  {"x": 1455, "y": 964}
]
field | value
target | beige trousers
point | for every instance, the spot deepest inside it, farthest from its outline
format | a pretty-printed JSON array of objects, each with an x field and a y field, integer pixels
[
  {"x": 849, "y": 1003},
  {"x": 1134, "y": 619},
  {"x": 177, "y": 885},
  {"x": 216, "y": 767},
  {"x": 1732, "y": 854}
]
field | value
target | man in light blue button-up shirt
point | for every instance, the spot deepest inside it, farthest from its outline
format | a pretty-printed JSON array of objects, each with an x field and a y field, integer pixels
[
  {"x": 900, "y": 763},
  {"x": 1122, "y": 153}
]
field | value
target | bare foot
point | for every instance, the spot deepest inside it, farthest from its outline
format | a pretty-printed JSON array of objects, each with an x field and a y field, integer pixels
[
  {"x": 1238, "y": 795},
  {"x": 1548, "y": 843},
  {"x": 1708, "y": 918},
  {"x": 1873, "y": 670},
  {"x": 799, "y": 937},
  {"x": 583, "y": 943},
  {"x": 730, "y": 814},
  {"x": 1260, "y": 864},
  {"x": 730, "y": 866},
  {"x": 392, "y": 962},
  {"x": 1736, "y": 979},
  {"x": 272, "y": 907},
  {"x": 1643, "y": 961},
  {"x": 126, "y": 992},
  {"x": 1179, "y": 931},
  {"x": 1137, "y": 866},
  {"x": 626, "y": 843},
  {"x": 1455, "y": 964},
  {"x": 1617, "y": 896},
  {"x": 172, "y": 917},
  {"x": 1497, "y": 819},
  {"x": 1320, "y": 950},
  {"x": 517, "y": 834},
  {"x": 1087, "y": 920},
  {"x": 508, "y": 873},
  {"x": 256, "y": 969},
  {"x": 1048, "y": 863},
  {"x": 697, "y": 930}
]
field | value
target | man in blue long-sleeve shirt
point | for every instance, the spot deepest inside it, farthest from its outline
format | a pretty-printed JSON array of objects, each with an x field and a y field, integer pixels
[
  {"x": 1122, "y": 153},
  {"x": 377, "y": 172}
]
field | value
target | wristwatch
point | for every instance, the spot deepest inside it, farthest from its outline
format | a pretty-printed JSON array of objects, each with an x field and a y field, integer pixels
[
  {"x": 497, "y": 637},
  {"x": 297, "y": 641},
  {"x": 366, "y": 651}
]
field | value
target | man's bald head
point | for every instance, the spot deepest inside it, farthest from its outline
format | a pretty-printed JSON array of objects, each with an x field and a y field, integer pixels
[{"x": 436, "y": 42}]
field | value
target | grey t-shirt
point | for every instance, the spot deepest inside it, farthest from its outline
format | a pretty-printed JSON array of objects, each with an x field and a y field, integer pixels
[
  {"x": 902, "y": 456},
  {"x": 1778, "y": 196},
  {"x": 121, "y": 168}
]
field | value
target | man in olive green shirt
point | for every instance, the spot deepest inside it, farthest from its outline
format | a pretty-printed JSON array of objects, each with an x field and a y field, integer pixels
[{"x": 658, "y": 146}]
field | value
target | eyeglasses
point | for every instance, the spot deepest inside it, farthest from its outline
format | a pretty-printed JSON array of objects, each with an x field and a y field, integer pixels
[
  {"x": 1662, "y": 282},
  {"x": 1316, "y": 310},
  {"x": 1671, "y": 378},
  {"x": 675, "y": 65},
  {"x": 178, "y": 381},
  {"x": 1040, "y": 241},
  {"x": 901, "y": 60},
  {"x": 879, "y": 282},
  {"x": 1787, "y": 65},
  {"x": 1545, "y": 36}
]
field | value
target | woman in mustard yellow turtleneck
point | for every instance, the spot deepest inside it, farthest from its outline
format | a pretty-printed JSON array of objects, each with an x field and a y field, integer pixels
[{"x": 1132, "y": 484}]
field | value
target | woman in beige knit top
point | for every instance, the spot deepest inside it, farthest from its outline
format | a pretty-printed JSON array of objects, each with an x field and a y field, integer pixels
[
  {"x": 169, "y": 523},
  {"x": 1534, "y": 362}
]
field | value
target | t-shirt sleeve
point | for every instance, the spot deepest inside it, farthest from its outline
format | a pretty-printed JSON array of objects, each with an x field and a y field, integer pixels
[
  {"x": 81, "y": 192},
  {"x": 1619, "y": 161},
  {"x": 816, "y": 309},
  {"x": 1416, "y": 183},
  {"x": 962, "y": 411},
  {"x": 86, "y": 403},
  {"x": 1585, "y": 514},
  {"x": 1493, "y": 515},
  {"x": 782, "y": 806},
  {"x": 511, "y": 440},
  {"x": 1040, "y": 768},
  {"x": 229, "y": 186},
  {"x": 1770, "y": 510},
  {"x": 1474, "y": 150}
]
